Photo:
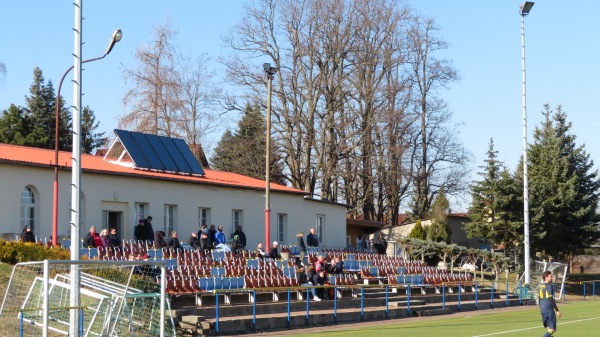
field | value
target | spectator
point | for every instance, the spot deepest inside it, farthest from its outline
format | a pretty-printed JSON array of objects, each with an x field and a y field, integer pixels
[
  {"x": 92, "y": 239},
  {"x": 320, "y": 264},
  {"x": 27, "y": 235},
  {"x": 274, "y": 253},
  {"x": 305, "y": 281},
  {"x": 174, "y": 241},
  {"x": 104, "y": 238},
  {"x": 380, "y": 244},
  {"x": 319, "y": 279},
  {"x": 361, "y": 243},
  {"x": 143, "y": 231},
  {"x": 212, "y": 234},
  {"x": 260, "y": 251},
  {"x": 337, "y": 266},
  {"x": 159, "y": 240},
  {"x": 301, "y": 246},
  {"x": 113, "y": 239},
  {"x": 241, "y": 242},
  {"x": 203, "y": 229},
  {"x": 205, "y": 242},
  {"x": 312, "y": 240},
  {"x": 220, "y": 237},
  {"x": 193, "y": 241}
]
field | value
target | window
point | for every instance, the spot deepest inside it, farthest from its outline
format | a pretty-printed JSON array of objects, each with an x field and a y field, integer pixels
[
  {"x": 141, "y": 211},
  {"x": 27, "y": 208},
  {"x": 320, "y": 227},
  {"x": 203, "y": 216},
  {"x": 281, "y": 227},
  {"x": 236, "y": 219},
  {"x": 170, "y": 219}
]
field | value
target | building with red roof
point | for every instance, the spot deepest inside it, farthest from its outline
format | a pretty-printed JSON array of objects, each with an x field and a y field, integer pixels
[{"x": 114, "y": 195}]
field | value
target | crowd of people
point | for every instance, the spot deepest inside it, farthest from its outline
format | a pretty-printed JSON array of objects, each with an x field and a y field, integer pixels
[{"x": 208, "y": 238}]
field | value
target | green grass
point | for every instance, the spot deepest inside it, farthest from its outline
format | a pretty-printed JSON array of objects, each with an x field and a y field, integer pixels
[{"x": 578, "y": 319}]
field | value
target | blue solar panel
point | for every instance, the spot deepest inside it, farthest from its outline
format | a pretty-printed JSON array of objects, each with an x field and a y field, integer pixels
[
  {"x": 188, "y": 156},
  {"x": 159, "y": 153},
  {"x": 144, "y": 144},
  {"x": 163, "y": 154},
  {"x": 169, "y": 144},
  {"x": 136, "y": 154}
]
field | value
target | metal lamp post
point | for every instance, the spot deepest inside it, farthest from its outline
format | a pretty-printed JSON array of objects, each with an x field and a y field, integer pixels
[
  {"x": 269, "y": 72},
  {"x": 524, "y": 10},
  {"x": 116, "y": 37}
]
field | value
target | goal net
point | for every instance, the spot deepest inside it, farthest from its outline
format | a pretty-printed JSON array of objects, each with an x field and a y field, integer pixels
[{"x": 116, "y": 298}]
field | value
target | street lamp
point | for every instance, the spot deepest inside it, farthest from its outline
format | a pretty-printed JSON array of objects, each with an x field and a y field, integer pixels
[
  {"x": 269, "y": 72},
  {"x": 524, "y": 10},
  {"x": 116, "y": 37}
]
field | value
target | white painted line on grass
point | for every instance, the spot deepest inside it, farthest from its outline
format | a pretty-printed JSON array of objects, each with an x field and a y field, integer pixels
[{"x": 536, "y": 327}]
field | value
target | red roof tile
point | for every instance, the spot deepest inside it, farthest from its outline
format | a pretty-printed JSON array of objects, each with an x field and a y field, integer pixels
[{"x": 22, "y": 155}]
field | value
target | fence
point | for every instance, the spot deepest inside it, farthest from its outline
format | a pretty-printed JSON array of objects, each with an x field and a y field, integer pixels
[{"x": 114, "y": 298}]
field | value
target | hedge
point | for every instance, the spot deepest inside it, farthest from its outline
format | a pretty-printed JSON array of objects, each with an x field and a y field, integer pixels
[{"x": 14, "y": 252}]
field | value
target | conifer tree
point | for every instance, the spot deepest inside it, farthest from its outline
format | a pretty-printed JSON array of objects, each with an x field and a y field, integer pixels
[
  {"x": 564, "y": 190},
  {"x": 417, "y": 232},
  {"x": 90, "y": 139},
  {"x": 243, "y": 152},
  {"x": 15, "y": 126},
  {"x": 496, "y": 208}
]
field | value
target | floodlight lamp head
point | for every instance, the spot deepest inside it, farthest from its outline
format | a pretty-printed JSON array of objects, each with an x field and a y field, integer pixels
[
  {"x": 526, "y": 7},
  {"x": 116, "y": 37},
  {"x": 270, "y": 71}
]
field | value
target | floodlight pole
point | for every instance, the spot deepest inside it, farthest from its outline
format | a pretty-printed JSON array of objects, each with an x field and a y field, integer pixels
[
  {"x": 269, "y": 72},
  {"x": 75, "y": 176},
  {"x": 524, "y": 10}
]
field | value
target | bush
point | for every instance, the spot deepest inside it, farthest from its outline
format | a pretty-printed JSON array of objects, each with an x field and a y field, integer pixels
[{"x": 14, "y": 252}]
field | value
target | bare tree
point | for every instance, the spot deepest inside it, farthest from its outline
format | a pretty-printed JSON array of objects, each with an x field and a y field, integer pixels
[
  {"x": 172, "y": 93},
  {"x": 441, "y": 160}
]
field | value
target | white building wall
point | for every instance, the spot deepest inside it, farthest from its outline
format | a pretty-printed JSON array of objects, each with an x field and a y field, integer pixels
[{"x": 120, "y": 193}]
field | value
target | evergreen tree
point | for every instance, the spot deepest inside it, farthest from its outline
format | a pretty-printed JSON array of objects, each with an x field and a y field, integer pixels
[
  {"x": 496, "y": 208},
  {"x": 15, "y": 126},
  {"x": 564, "y": 191},
  {"x": 417, "y": 232},
  {"x": 439, "y": 230},
  {"x": 42, "y": 108},
  {"x": 244, "y": 151},
  {"x": 90, "y": 140}
]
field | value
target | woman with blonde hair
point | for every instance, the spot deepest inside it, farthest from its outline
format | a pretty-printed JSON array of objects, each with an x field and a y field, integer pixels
[{"x": 104, "y": 238}]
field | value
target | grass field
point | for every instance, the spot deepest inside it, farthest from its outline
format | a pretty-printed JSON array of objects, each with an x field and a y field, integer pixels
[{"x": 578, "y": 319}]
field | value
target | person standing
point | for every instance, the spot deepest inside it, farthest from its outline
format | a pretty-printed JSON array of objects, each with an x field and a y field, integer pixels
[
  {"x": 205, "y": 242},
  {"x": 212, "y": 233},
  {"x": 548, "y": 307},
  {"x": 148, "y": 229},
  {"x": 27, "y": 235},
  {"x": 311, "y": 239},
  {"x": 380, "y": 244},
  {"x": 301, "y": 246},
  {"x": 220, "y": 237},
  {"x": 361, "y": 244}
]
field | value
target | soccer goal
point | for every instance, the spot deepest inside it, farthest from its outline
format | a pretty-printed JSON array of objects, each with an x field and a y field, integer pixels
[
  {"x": 116, "y": 298},
  {"x": 558, "y": 270}
]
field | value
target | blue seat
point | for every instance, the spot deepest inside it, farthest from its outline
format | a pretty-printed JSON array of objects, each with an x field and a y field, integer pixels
[
  {"x": 363, "y": 264},
  {"x": 171, "y": 263},
  {"x": 401, "y": 270},
  {"x": 214, "y": 271},
  {"x": 93, "y": 252},
  {"x": 400, "y": 279},
  {"x": 210, "y": 284},
  {"x": 84, "y": 251},
  {"x": 294, "y": 250},
  {"x": 350, "y": 256},
  {"x": 253, "y": 263},
  {"x": 374, "y": 271}
]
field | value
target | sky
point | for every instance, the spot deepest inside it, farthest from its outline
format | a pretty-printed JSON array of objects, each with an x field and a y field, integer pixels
[{"x": 562, "y": 53}]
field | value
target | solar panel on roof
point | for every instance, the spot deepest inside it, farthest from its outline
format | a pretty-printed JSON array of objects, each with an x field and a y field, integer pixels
[
  {"x": 131, "y": 146},
  {"x": 188, "y": 156},
  {"x": 159, "y": 153},
  {"x": 169, "y": 144},
  {"x": 148, "y": 149},
  {"x": 163, "y": 154}
]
